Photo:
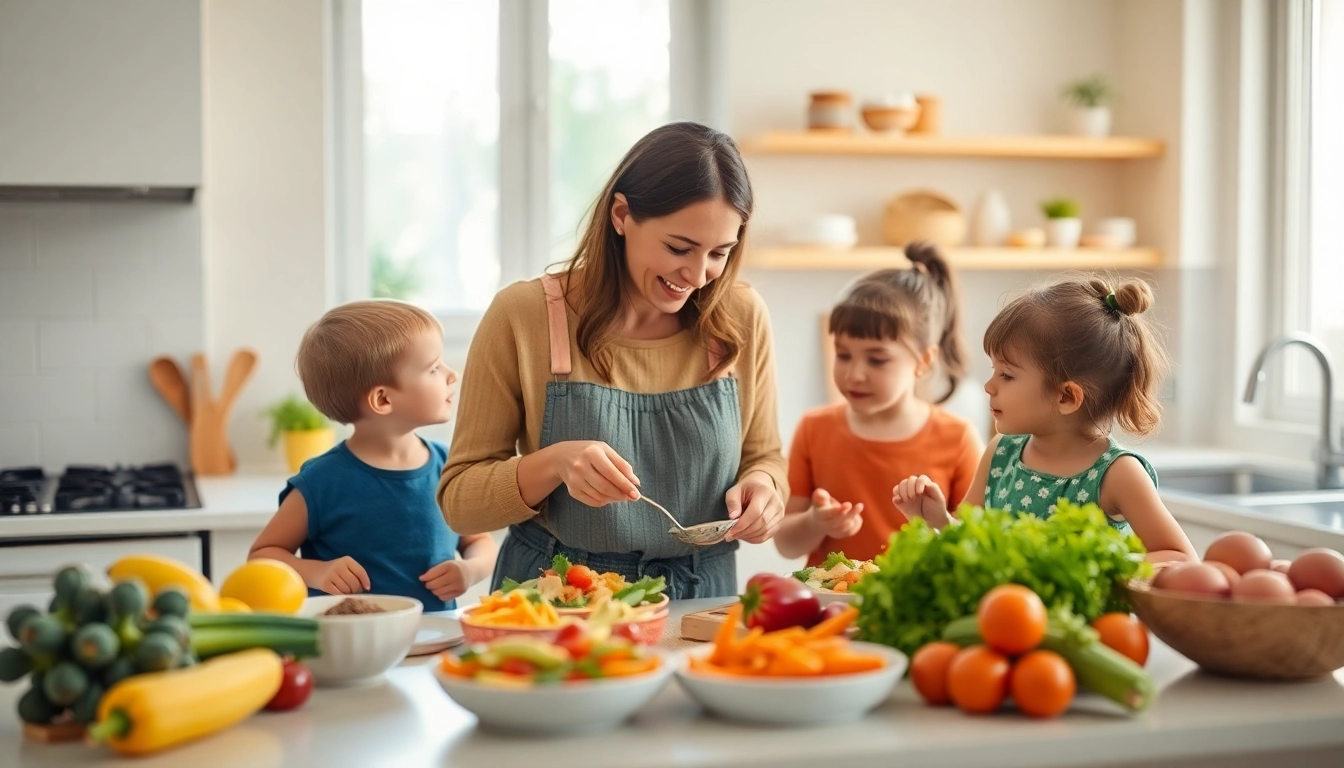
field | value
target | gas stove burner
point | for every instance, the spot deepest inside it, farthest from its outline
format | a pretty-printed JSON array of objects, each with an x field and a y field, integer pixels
[{"x": 88, "y": 488}]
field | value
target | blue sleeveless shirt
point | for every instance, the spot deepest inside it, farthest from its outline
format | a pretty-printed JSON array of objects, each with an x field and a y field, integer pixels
[{"x": 386, "y": 519}]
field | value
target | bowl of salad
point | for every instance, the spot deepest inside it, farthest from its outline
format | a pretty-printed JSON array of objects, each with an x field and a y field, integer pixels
[
  {"x": 575, "y": 589},
  {"x": 833, "y": 579},
  {"x": 586, "y": 680},
  {"x": 522, "y": 611}
]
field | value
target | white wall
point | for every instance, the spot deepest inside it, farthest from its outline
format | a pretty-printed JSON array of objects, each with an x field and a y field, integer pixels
[{"x": 263, "y": 197}]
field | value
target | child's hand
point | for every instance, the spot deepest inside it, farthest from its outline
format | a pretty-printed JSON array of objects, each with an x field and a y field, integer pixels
[
  {"x": 342, "y": 576},
  {"x": 447, "y": 580},
  {"x": 836, "y": 520},
  {"x": 921, "y": 497}
]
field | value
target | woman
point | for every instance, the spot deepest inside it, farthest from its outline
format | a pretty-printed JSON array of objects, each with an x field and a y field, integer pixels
[{"x": 641, "y": 368}]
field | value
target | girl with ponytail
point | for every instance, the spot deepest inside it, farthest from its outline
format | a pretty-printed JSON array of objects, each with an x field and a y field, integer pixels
[
  {"x": 892, "y": 329},
  {"x": 1071, "y": 360}
]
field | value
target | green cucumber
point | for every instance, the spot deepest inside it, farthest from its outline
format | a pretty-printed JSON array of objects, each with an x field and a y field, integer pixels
[
  {"x": 95, "y": 645},
  {"x": 1097, "y": 667},
  {"x": 14, "y": 664},
  {"x": 207, "y": 643},
  {"x": 245, "y": 620}
]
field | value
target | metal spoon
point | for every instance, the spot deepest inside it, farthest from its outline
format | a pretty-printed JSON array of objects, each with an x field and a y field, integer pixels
[{"x": 701, "y": 535}]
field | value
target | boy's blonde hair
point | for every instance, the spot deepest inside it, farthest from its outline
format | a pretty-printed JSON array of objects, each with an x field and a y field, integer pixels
[
  {"x": 1090, "y": 331},
  {"x": 354, "y": 348}
]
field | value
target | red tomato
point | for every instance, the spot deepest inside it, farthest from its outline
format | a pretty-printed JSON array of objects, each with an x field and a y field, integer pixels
[
  {"x": 295, "y": 687},
  {"x": 626, "y": 631},
  {"x": 580, "y": 576},
  {"x": 574, "y": 639},
  {"x": 517, "y": 667},
  {"x": 774, "y": 602}
]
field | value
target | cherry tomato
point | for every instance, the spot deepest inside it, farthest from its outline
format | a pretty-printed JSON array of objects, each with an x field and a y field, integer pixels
[
  {"x": 517, "y": 667},
  {"x": 774, "y": 602},
  {"x": 574, "y": 639},
  {"x": 296, "y": 686},
  {"x": 626, "y": 631},
  {"x": 580, "y": 576}
]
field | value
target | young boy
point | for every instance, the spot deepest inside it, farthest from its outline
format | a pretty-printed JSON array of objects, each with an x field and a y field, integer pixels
[{"x": 363, "y": 515}]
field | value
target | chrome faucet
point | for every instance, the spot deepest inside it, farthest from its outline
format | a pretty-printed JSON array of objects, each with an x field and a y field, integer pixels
[{"x": 1329, "y": 458}]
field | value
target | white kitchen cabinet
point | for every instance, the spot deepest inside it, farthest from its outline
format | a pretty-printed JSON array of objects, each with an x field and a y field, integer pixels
[
  {"x": 26, "y": 570},
  {"x": 100, "y": 92}
]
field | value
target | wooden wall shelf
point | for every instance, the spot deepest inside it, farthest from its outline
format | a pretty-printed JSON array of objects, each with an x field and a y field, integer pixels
[
  {"x": 1040, "y": 147},
  {"x": 875, "y": 257}
]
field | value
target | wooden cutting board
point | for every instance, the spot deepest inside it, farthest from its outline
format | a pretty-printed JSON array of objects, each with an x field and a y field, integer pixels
[{"x": 704, "y": 625}]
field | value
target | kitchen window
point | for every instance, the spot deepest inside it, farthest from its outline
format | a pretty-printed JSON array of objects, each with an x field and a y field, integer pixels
[
  {"x": 471, "y": 136},
  {"x": 1309, "y": 263}
]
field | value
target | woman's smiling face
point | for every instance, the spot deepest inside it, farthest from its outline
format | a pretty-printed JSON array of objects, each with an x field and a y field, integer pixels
[{"x": 670, "y": 257}]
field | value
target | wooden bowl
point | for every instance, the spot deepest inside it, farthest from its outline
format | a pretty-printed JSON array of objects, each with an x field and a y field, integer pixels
[
  {"x": 1244, "y": 639},
  {"x": 890, "y": 119},
  {"x": 923, "y": 215}
]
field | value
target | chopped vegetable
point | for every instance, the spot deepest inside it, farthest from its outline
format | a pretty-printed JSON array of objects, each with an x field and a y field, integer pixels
[
  {"x": 579, "y": 653},
  {"x": 837, "y": 574},
  {"x": 790, "y": 652},
  {"x": 1072, "y": 560},
  {"x": 570, "y": 585}
]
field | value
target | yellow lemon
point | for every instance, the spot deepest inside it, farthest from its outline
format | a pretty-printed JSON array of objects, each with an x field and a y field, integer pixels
[
  {"x": 266, "y": 585},
  {"x": 233, "y": 605}
]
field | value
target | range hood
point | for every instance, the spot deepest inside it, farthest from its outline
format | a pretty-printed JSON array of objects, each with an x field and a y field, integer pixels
[{"x": 38, "y": 193}]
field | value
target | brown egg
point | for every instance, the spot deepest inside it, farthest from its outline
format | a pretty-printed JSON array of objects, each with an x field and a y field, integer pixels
[
  {"x": 1280, "y": 565},
  {"x": 1266, "y": 586},
  {"x": 1241, "y": 550},
  {"x": 1313, "y": 597},
  {"x": 1193, "y": 579},
  {"x": 1321, "y": 569},
  {"x": 1231, "y": 573}
]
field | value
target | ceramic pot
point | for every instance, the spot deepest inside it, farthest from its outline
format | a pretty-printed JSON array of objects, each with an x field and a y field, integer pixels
[
  {"x": 992, "y": 221},
  {"x": 1063, "y": 233},
  {"x": 302, "y": 446},
  {"x": 1090, "y": 121}
]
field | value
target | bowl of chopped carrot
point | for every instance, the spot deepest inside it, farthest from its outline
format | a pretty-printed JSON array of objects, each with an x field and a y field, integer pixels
[{"x": 792, "y": 676}]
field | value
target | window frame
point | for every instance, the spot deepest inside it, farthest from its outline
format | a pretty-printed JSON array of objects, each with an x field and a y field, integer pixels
[{"x": 697, "y": 54}]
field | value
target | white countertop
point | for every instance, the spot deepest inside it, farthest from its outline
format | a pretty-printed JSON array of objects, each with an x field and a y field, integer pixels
[
  {"x": 235, "y": 502},
  {"x": 408, "y": 721}
]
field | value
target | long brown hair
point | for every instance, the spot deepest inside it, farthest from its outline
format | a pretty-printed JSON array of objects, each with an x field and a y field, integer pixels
[
  {"x": 918, "y": 306},
  {"x": 1085, "y": 331},
  {"x": 676, "y": 165}
]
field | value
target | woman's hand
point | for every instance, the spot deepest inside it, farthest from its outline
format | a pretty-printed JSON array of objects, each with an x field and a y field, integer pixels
[
  {"x": 835, "y": 519},
  {"x": 756, "y": 505},
  {"x": 918, "y": 496},
  {"x": 595, "y": 474}
]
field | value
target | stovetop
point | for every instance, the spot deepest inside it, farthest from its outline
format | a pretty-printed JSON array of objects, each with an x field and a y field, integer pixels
[{"x": 84, "y": 488}]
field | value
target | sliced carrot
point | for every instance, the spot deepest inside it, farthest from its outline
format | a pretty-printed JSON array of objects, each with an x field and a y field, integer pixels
[
  {"x": 850, "y": 663},
  {"x": 835, "y": 625},
  {"x": 796, "y": 662},
  {"x": 725, "y": 638},
  {"x": 623, "y": 667}
]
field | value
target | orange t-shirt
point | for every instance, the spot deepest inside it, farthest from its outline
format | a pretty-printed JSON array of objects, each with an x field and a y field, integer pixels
[{"x": 827, "y": 454}]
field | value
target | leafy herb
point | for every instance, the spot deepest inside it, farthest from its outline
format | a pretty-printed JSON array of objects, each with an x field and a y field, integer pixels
[
  {"x": 560, "y": 564},
  {"x": 1060, "y": 208},
  {"x": 293, "y": 414},
  {"x": 834, "y": 559},
  {"x": 579, "y": 602},
  {"x": 1091, "y": 91},
  {"x": 647, "y": 588},
  {"x": 508, "y": 585},
  {"x": 804, "y": 574},
  {"x": 1073, "y": 560}
]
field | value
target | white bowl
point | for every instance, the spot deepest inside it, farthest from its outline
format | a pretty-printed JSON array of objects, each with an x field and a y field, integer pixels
[
  {"x": 357, "y": 649},
  {"x": 826, "y": 597},
  {"x": 579, "y": 706},
  {"x": 794, "y": 700}
]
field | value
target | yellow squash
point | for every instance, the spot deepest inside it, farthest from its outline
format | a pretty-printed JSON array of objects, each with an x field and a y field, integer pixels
[
  {"x": 150, "y": 712},
  {"x": 159, "y": 572}
]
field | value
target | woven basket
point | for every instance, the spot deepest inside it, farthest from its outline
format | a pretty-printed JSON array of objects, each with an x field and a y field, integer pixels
[{"x": 924, "y": 215}]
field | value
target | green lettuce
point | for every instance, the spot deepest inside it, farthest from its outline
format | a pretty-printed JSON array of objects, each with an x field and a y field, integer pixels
[{"x": 1074, "y": 560}]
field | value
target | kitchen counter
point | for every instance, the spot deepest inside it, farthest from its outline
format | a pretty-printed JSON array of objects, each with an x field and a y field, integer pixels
[
  {"x": 227, "y": 503},
  {"x": 407, "y": 721}
]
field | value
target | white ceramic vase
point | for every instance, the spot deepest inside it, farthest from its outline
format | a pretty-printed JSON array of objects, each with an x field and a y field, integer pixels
[
  {"x": 1090, "y": 121},
  {"x": 992, "y": 221},
  {"x": 1063, "y": 233}
]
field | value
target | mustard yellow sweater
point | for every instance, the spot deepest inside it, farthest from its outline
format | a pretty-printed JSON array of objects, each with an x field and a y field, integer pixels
[{"x": 503, "y": 395}]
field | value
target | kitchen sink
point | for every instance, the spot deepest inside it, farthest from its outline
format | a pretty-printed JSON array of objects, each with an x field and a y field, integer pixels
[
  {"x": 1234, "y": 481},
  {"x": 1326, "y": 513}
]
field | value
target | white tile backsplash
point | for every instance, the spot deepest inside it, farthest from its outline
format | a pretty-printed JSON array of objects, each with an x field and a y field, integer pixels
[
  {"x": 89, "y": 294},
  {"x": 18, "y": 347},
  {"x": 50, "y": 398},
  {"x": 19, "y": 445}
]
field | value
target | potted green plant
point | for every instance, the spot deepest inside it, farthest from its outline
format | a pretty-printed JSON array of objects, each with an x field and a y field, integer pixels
[
  {"x": 1062, "y": 225},
  {"x": 1090, "y": 99},
  {"x": 305, "y": 431}
]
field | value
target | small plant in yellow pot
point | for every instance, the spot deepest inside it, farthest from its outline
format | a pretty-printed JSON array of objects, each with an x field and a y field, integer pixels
[{"x": 306, "y": 432}]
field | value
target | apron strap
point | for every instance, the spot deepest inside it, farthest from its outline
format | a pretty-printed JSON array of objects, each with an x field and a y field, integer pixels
[
  {"x": 559, "y": 331},
  {"x": 558, "y": 324}
]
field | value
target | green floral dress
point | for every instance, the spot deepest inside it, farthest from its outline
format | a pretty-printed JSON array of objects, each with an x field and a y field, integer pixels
[{"x": 1014, "y": 487}]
